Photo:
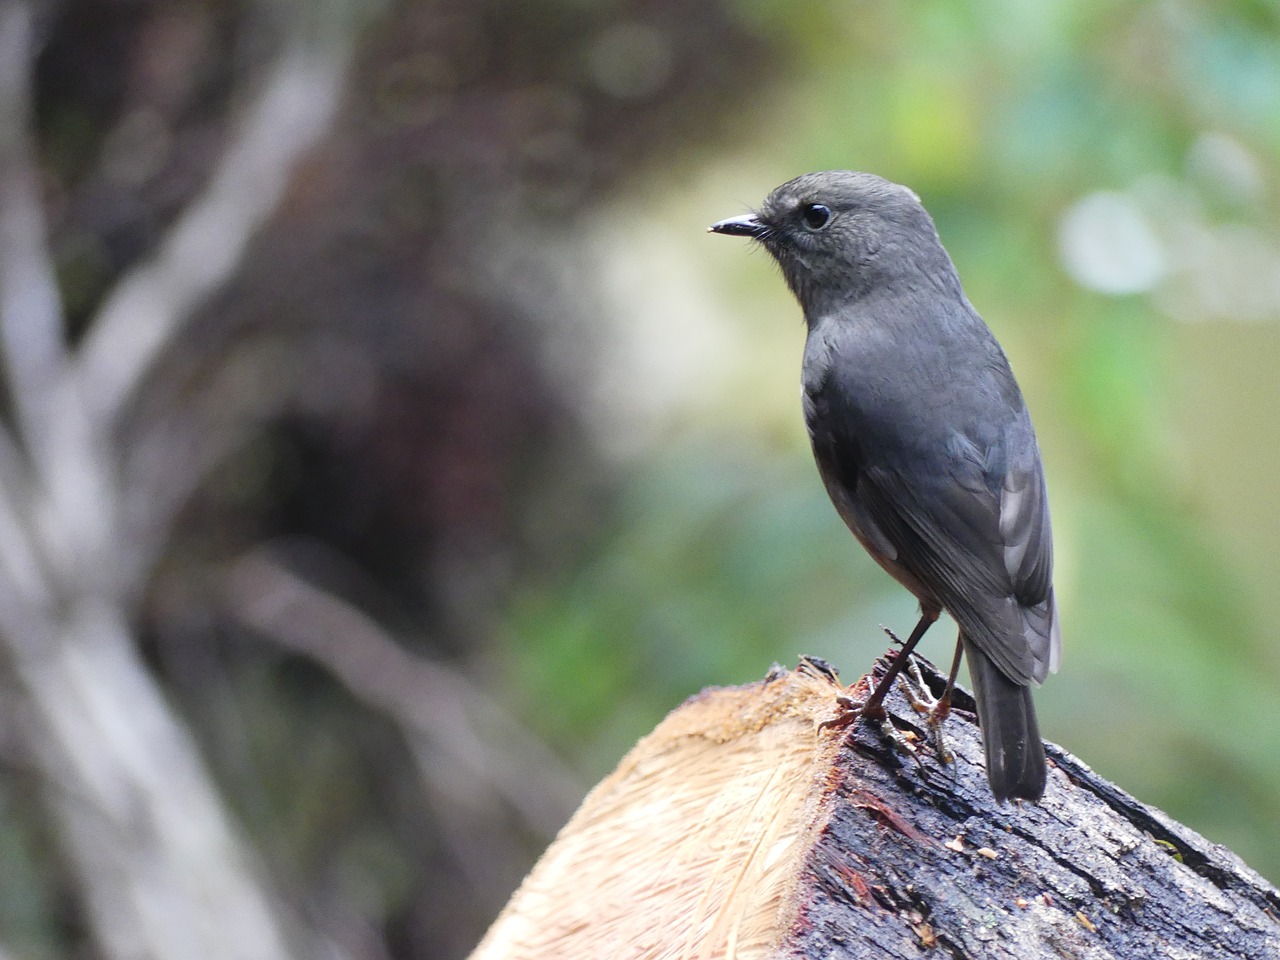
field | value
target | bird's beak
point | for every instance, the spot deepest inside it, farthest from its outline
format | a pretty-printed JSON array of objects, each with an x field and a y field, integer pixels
[{"x": 748, "y": 225}]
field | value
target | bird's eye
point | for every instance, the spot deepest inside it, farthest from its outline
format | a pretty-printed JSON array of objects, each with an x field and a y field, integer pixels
[{"x": 815, "y": 215}]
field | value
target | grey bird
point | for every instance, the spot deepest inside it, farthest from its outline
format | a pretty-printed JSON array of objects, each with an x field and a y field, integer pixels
[{"x": 923, "y": 441}]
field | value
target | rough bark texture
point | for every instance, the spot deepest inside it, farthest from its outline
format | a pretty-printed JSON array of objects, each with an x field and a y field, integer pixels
[{"x": 738, "y": 828}]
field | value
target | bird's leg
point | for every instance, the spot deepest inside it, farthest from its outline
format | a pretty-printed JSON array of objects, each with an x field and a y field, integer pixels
[
  {"x": 943, "y": 707},
  {"x": 873, "y": 706}
]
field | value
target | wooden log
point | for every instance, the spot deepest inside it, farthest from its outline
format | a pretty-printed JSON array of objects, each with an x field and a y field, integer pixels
[{"x": 741, "y": 829}]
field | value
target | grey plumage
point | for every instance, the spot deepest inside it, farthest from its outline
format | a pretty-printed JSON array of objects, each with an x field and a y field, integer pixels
[{"x": 922, "y": 437}]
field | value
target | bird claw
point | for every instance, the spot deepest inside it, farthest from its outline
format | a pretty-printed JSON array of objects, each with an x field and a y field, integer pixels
[
  {"x": 936, "y": 709},
  {"x": 850, "y": 710},
  {"x": 902, "y": 741},
  {"x": 847, "y": 714}
]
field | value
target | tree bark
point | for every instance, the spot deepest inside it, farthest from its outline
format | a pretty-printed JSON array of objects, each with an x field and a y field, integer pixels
[{"x": 743, "y": 828}]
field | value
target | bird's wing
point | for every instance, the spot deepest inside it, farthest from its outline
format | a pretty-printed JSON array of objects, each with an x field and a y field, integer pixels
[{"x": 977, "y": 534}]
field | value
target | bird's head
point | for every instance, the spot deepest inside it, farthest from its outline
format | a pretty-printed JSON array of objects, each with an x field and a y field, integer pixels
[{"x": 840, "y": 235}]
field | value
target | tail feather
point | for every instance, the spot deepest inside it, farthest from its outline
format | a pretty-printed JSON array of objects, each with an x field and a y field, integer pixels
[{"x": 1010, "y": 735}]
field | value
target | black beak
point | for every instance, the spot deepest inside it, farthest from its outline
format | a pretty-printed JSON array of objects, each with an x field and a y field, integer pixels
[{"x": 748, "y": 225}]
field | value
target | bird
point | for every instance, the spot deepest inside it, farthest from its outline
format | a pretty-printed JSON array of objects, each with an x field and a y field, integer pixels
[{"x": 923, "y": 441}]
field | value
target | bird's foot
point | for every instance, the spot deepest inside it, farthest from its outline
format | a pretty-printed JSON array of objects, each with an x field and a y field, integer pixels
[
  {"x": 850, "y": 710},
  {"x": 935, "y": 709}
]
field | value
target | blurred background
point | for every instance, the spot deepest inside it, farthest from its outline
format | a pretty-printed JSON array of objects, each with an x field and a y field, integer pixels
[{"x": 386, "y": 446}]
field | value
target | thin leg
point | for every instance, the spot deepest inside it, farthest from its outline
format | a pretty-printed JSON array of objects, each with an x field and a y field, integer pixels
[
  {"x": 871, "y": 707},
  {"x": 941, "y": 708},
  {"x": 951, "y": 677}
]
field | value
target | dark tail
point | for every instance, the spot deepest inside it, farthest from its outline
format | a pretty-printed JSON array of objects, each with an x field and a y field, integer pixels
[{"x": 1015, "y": 752}]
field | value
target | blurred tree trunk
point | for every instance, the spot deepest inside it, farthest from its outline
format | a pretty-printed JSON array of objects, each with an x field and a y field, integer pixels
[
  {"x": 740, "y": 828},
  {"x": 159, "y": 863}
]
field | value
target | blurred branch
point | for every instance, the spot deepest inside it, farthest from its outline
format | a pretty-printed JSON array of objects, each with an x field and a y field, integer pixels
[
  {"x": 439, "y": 711},
  {"x": 164, "y": 873},
  {"x": 149, "y": 307},
  {"x": 31, "y": 322},
  {"x": 72, "y": 494},
  {"x": 160, "y": 865},
  {"x": 20, "y": 564}
]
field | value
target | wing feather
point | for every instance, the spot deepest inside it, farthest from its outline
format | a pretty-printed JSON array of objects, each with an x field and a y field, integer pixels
[{"x": 983, "y": 545}]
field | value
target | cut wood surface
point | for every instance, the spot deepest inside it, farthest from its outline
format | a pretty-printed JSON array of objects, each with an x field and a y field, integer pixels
[{"x": 742, "y": 828}]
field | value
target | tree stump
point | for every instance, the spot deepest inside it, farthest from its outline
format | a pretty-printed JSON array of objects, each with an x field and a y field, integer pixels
[{"x": 741, "y": 828}]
